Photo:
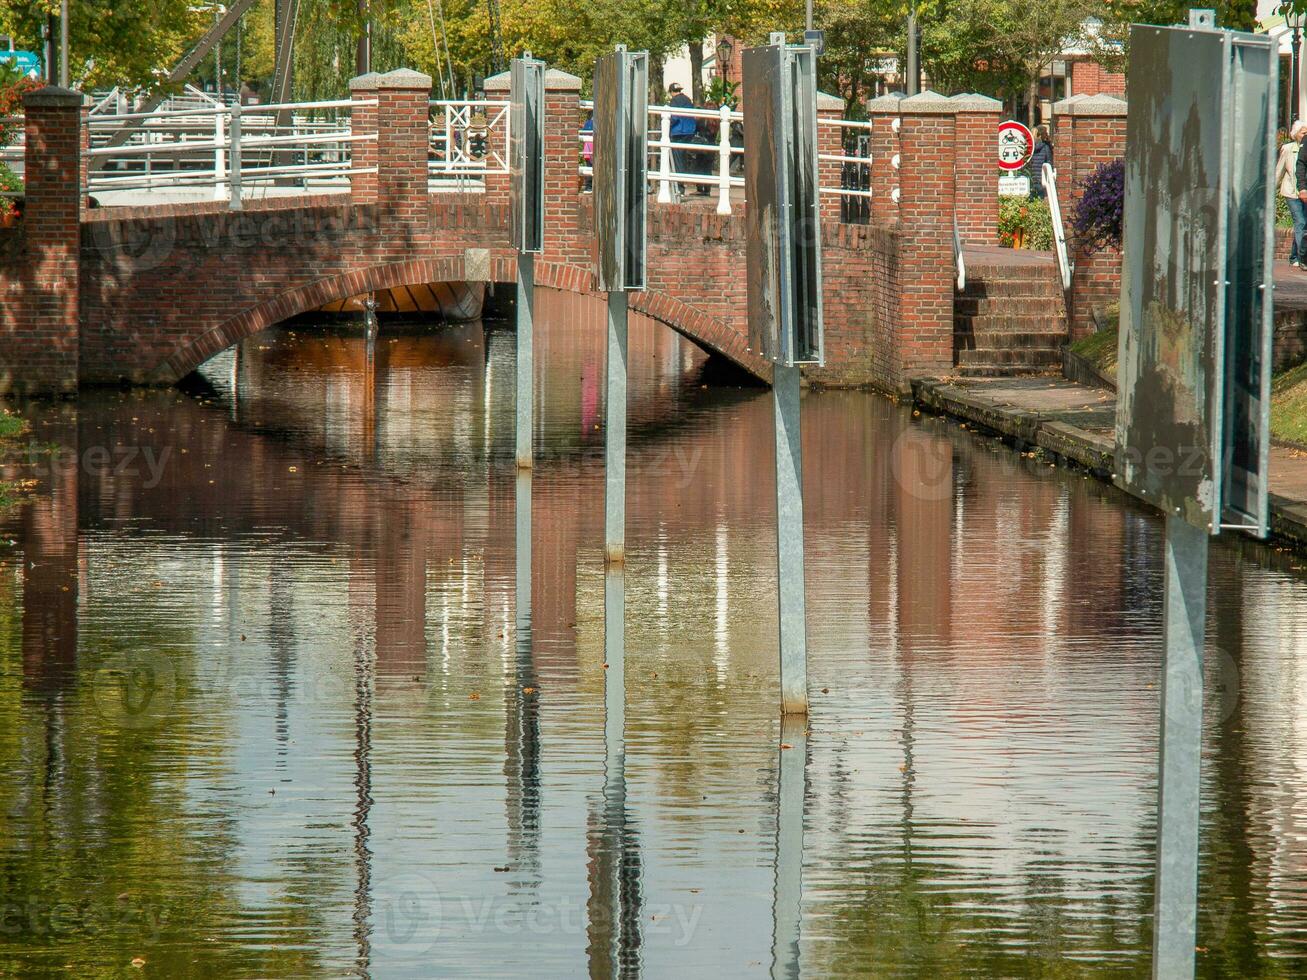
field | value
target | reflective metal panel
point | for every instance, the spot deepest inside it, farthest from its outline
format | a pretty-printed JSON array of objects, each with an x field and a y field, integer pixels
[
  {"x": 782, "y": 222},
  {"x": 1172, "y": 293},
  {"x": 1248, "y": 299},
  {"x": 526, "y": 189},
  {"x": 620, "y": 167}
]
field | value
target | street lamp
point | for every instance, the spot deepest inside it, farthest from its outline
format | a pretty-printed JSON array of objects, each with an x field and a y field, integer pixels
[
  {"x": 724, "y": 51},
  {"x": 1295, "y": 20}
]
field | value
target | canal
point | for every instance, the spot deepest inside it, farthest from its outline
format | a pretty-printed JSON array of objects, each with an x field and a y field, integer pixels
[{"x": 262, "y": 712}]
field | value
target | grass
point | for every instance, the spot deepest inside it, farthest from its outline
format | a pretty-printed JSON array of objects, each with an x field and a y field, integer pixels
[
  {"x": 1288, "y": 389},
  {"x": 11, "y": 427}
]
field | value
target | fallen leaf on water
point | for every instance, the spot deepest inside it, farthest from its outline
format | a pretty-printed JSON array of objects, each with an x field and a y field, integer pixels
[
  {"x": 138, "y": 961},
  {"x": 528, "y": 690},
  {"x": 474, "y": 696},
  {"x": 786, "y": 745}
]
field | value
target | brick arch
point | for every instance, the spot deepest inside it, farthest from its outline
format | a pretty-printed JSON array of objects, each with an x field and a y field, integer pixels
[{"x": 709, "y": 332}]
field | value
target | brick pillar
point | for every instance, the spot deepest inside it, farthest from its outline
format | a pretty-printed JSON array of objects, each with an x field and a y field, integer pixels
[
  {"x": 363, "y": 122},
  {"x": 1090, "y": 132},
  {"x": 830, "y": 142},
  {"x": 403, "y": 138},
  {"x": 84, "y": 142},
  {"x": 977, "y": 172},
  {"x": 498, "y": 87},
  {"x": 39, "y": 333},
  {"x": 563, "y": 240},
  {"x": 884, "y": 115},
  {"x": 927, "y": 276}
]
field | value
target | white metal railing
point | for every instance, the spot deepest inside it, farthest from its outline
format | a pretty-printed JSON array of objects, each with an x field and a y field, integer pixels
[
  {"x": 723, "y": 146},
  {"x": 1049, "y": 177},
  {"x": 959, "y": 260},
  {"x": 469, "y": 139},
  {"x": 235, "y": 151}
]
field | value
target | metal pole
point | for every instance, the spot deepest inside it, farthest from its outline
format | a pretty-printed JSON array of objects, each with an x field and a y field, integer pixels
[
  {"x": 787, "y": 900},
  {"x": 522, "y": 515},
  {"x": 615, "y": 441},
  {"x": 789, "y": 541},
  {"x": 808, "y": 16},
  {"x": 63, "y": 43},
  {"x": 525, "y": 357},
  {"x": 234, "y": 202},
  {"x": 913, "y": 80},
  {"x": 1296, "y": 108},
  {"x": 1175, "y": 910}
]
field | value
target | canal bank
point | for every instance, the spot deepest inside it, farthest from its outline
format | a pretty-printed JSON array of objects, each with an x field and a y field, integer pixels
[{"x": 1073, "y": 423}]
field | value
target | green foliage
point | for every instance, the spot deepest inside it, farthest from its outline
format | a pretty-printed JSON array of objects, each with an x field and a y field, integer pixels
[
  {"x": 1027, "y": 220},
  {"x": 723, "y": 92}
]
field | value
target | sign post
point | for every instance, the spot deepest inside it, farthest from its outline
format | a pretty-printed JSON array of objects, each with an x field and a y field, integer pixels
[
  {"x": 1192, "y": 428},
  {"x": 526, "y": 156},
  {"x": 621, "y": 134},
  {"x": 526, "y": 220},
  {"x": 783, "y": 235}
]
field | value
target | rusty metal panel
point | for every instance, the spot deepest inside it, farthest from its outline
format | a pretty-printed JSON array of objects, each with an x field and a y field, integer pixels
[
  {"x": 1168, "y": 432},
  {"x": 621, "y": 134},
  {"x": 1249, "y": 304},
  {"x": 526, "y": 189},
  {"x": 782, "y": 220}
]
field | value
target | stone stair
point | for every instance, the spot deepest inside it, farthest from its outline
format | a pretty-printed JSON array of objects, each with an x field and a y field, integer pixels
[{"x": 1011, "y": 318}]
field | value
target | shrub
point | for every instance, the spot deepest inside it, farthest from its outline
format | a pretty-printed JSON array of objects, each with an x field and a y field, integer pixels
[
  {"x": 1097, "y": 221},
  {"x": 1024, "y": 223}
]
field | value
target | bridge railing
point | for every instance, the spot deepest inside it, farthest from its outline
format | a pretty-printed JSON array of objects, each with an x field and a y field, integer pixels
[
  {"x": 228, "y": 152},
  {"x": 711, "y": 161},
  {"x": 469, "y": 139}
]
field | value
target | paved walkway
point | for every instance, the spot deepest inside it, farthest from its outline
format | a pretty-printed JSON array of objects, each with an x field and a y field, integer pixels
[{"x": 1076, "y": 422}]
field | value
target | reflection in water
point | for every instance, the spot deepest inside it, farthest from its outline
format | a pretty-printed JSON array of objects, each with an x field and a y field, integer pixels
[
  {"x": 263, "y": 709},
  {"x": 614, "y": 909},
  {"x": 791, "y": 790}
]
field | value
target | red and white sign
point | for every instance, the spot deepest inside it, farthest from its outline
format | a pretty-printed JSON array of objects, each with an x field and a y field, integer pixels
[{"x": 1015, "y": 144}]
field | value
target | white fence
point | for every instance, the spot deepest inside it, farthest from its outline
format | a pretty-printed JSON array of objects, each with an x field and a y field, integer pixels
[{"x": 196, "y": 148}]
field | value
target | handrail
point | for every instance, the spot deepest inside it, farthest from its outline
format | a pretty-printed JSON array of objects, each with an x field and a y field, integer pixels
[
  {"x": 1049, "y": 177},
  {"x": 958, "y": 258}
]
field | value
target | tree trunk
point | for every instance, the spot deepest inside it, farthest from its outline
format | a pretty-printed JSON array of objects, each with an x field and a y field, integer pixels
[
  {"x": 1032, "y": 97},
  {"x": 657, "y": 91},
  {"x": 696, "y": 71}
]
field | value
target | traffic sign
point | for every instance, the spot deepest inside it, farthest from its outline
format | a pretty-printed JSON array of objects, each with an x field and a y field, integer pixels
[{"x": 1015, "y": 144}]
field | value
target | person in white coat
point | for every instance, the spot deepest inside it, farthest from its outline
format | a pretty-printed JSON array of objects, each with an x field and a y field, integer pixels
[{"x": 1286, "y": 169}]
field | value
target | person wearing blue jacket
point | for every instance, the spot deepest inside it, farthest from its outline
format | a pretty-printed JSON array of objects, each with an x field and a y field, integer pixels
[
  {"x": 683, "y": 129},
  {"x": 1040, "y": 155}
]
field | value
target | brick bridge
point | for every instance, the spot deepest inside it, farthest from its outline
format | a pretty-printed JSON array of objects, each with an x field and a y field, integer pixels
[{"x": 145, "y": 295}]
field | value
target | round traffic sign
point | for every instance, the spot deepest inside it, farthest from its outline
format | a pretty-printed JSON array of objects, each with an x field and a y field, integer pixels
[{"x": 1015, "y": 144}]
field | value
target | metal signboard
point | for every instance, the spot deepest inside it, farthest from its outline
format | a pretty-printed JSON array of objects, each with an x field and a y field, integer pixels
[
  {"x": 782, "y": 221},
  {"x": 1192, "y": 432},
  {"x": 526, "y": 190},
  {"x": 621, "y": 162},
  {"x": 1015, "y": 144}
]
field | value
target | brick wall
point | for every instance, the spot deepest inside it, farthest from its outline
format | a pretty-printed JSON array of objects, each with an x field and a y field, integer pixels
[
  {"x": 1090, "y": 78},
  {"x": 977, "y": 172},
  {"x": 1089, "y": 131},
  {"x": 39, "y": 279}
]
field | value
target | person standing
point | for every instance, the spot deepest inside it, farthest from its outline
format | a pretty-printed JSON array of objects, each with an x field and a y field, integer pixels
[
  {"x": 683, "y": 129},
  {"x": 1040, "y": 155},
  {"x": 1288, "y": 183}
]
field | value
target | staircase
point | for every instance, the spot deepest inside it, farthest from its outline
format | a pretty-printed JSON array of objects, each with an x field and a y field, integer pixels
[{"x": 1011, "y": 318}]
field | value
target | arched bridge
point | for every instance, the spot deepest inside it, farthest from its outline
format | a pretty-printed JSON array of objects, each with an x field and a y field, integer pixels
[{"x": 146, "y": 294}]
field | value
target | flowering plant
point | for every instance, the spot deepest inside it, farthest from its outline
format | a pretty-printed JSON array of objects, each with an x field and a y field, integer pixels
[{"x": 1097, "y": 221}]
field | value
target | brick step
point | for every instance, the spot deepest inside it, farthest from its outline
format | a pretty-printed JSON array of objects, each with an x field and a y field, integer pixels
[
  {"x": 1004, "y": 370},
  {"x": 997, "y": 357},
  {"x": 1040, "y": 304},
  {"x": 1005, "y": 288},
  {"x": 1048, "y": 340},
  {"x": 1028, "y": 273},
  {"x": 1009, "y": 323}
]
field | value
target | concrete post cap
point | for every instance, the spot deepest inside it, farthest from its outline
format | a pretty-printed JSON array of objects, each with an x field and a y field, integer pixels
[
  {"x": 404, "y": 78},
  {"x": 556, "y": 80},
  {"x": 827, "y": 102},
  {"x": 975, "y": 102},
  {"x": 1091, "y": 105},
  {"x": 53, "y": 95},
  {"x": 367, "y": 82},
  {"x": 927, "y": 102}
]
